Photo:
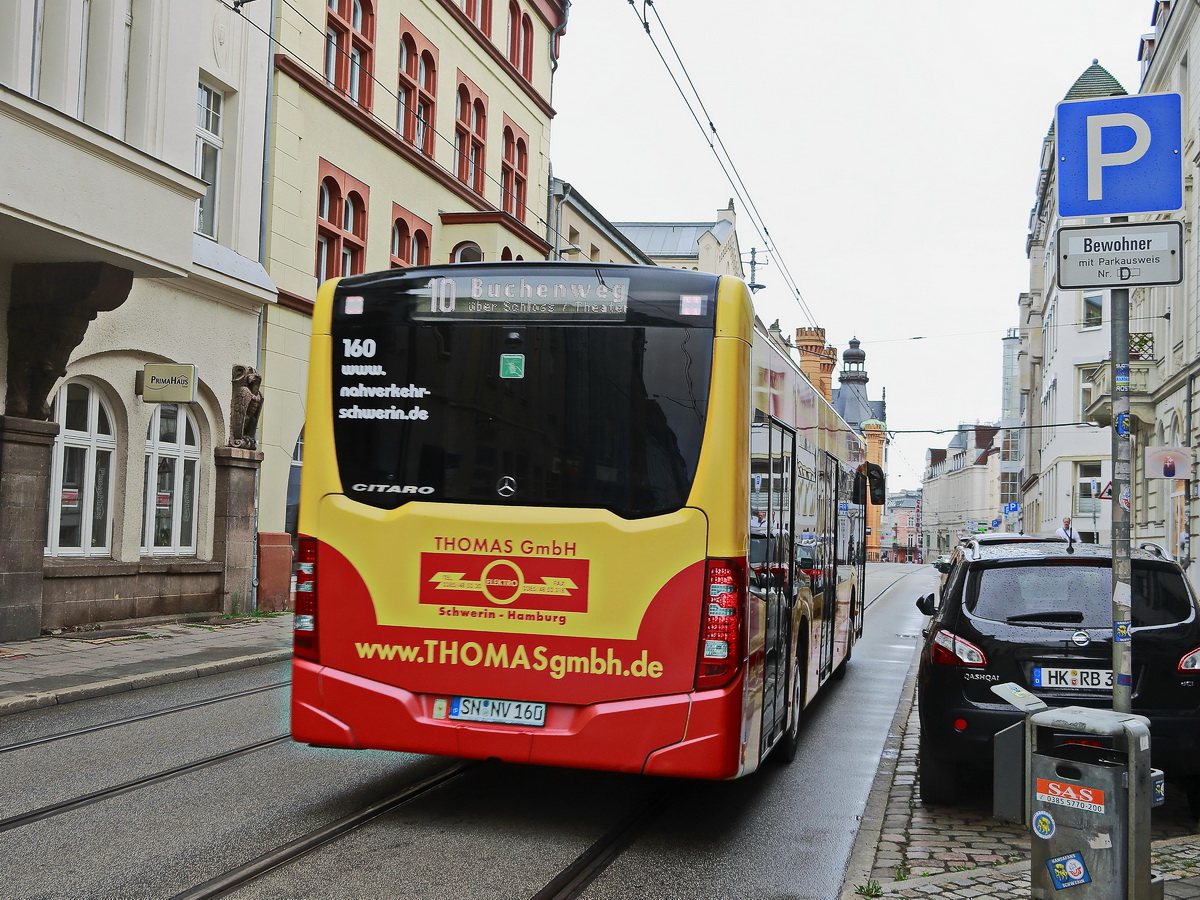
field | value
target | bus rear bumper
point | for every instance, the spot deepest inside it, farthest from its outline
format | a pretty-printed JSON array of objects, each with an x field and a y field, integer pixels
[{"x": 683, "y": 735}]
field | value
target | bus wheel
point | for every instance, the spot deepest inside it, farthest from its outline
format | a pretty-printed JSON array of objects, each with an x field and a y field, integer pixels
[
  {"x": 791, "y": 738},
  {"x": 840, "y": 672}
]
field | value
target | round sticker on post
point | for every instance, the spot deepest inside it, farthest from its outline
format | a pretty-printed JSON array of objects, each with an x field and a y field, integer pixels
[{"x": 1043, "y": 825}]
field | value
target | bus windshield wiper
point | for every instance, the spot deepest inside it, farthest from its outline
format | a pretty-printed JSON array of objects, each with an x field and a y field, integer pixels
[{"x": 1061, "y": 615}]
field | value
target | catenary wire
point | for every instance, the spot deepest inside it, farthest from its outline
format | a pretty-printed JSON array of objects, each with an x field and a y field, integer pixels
[{"x": 737, "y": 183}]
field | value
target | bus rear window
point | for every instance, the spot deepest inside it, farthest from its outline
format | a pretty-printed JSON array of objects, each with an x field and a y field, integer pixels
[{"x": 605, "y": 410}]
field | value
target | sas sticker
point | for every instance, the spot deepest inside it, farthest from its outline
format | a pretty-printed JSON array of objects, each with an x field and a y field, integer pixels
[
  {"x": 1072, "y": 795},
  {"x": 1068, "y": 870}
]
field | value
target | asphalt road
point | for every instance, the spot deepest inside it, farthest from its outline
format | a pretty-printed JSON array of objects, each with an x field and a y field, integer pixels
[{"x": 497, "y": 832}]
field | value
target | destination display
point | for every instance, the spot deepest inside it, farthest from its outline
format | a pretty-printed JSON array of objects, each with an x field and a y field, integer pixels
[{"x": 524, "y": 298}]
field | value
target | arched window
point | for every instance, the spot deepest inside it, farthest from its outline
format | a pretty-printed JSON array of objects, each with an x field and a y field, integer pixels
[
  {"x": 79, "y": 511},
  {"x": 420, "y": 251},
  {"x": 172, "y": 480},
  {"x": 410, "y": 238},
  {"x": 470, "y": 130},
  {"x": 341, "y": 224},
  {"x": 417, "y": 90},
  {"x": 467, "y": 251},
  {"x": 526, "y": 66},
  {"x": 479, "y": 12},
  {"x": 401, "y": 244},
  {"x": 291, "y": 516},
  {"x": 514, "y": 170},
  {"x": 349, "y": 33},
  {"x": 514, "y": 33}
]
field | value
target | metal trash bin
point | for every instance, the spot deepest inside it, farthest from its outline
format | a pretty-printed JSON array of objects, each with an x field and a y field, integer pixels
[{"x": 1089, "y": 804}]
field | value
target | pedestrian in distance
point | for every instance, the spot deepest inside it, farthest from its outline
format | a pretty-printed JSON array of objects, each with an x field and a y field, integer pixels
[{"x": 1068, "y": 533}]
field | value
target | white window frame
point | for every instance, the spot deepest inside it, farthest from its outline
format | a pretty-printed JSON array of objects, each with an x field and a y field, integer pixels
[
  {"x": 210, "y": 111},
  {"x": 93, "y": 443},
  {"x": 182, "y": 453}
]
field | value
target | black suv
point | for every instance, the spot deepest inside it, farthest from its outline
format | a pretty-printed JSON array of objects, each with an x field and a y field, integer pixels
[{"x": 1039, "y": 614}]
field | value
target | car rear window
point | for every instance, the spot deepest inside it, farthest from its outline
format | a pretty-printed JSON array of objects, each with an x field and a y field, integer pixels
[{"x": 1079, "y": 595}]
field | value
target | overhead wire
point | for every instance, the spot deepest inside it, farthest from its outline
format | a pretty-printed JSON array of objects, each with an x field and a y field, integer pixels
[{"x": 726, "y": 163}]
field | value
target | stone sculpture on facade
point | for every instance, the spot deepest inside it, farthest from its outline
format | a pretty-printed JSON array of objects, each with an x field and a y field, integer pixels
[{"x": 244, "y": 408}]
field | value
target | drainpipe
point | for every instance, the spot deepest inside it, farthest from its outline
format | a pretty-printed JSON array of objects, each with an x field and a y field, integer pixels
[
  {"x": 560, "y": 199},
  {"x": 260, "y": 350}
]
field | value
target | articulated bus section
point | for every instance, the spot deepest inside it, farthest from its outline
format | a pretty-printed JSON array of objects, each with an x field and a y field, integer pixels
[{"x": 542, "y": 562}]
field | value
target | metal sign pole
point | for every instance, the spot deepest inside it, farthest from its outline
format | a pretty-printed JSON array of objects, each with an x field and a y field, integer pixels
[{"x": 1122, "y": 591}]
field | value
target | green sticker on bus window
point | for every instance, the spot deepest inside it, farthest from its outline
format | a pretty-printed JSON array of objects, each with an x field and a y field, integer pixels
[{"x": 512, "y": 365}]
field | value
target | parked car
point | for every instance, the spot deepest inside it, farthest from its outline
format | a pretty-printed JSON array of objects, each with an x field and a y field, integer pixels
[{"x": 1039, "y": 614}]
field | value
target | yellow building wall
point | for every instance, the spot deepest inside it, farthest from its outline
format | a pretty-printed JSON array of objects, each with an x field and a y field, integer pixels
[{"x": 310, "y": 123}]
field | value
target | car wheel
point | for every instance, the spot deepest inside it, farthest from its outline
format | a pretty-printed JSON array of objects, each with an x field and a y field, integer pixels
[{"x": 938, "y": 778}]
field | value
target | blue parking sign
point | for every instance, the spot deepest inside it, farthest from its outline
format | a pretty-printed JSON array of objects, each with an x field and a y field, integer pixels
[{"x": 1120, "y": 155}]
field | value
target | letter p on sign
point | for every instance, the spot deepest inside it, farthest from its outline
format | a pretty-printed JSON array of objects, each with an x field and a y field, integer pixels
[
  {"x": 1119, "y": 155},
  {"x": 1098, "y": 160}
]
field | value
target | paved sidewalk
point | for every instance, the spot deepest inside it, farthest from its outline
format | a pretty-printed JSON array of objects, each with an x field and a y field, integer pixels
[
  {"x": 906, "y": 850},
  {"x": 51, "y": 670}
]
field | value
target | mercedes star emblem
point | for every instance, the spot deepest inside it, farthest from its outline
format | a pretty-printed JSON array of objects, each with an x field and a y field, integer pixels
[{"x": 506, "y": 486}]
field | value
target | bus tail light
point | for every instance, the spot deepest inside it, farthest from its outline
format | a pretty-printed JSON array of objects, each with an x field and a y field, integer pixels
[
  {"x": 304, "y": 628},
  {"x": 722, "y": 623},
  {"x": 951, "y": 650}
]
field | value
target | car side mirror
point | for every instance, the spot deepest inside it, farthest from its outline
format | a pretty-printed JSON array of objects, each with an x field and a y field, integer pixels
[
  {"x": 926, "y": 605},
  {"x": 943, "y": 567}
]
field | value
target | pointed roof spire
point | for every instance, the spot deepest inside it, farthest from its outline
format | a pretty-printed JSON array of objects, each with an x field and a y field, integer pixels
[{"x": 1095, "y": 82}]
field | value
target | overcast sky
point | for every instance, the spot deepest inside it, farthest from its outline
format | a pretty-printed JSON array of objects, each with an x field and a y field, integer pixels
[{"x": 890, "y": 148}]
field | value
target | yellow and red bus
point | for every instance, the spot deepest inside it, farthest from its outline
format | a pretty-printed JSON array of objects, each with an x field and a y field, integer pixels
[{"x": 568, "y": 514}]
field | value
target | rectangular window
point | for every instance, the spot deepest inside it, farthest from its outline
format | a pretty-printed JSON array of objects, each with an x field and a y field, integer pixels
[
  {"x": 1093, "y": 311},
  {"x": 635, "y": 451},
  {"x": 209, "y": 110},
  {"x": 1087, "y": 395},
  {"x": 1087, "y": 489},
  {"x": 331, "y": 52},
  {"x": 100, "y": 499}
]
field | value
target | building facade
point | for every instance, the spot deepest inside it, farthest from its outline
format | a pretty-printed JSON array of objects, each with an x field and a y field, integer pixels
[
  {"x": 401, "y": 134},
  {"x": 900, "y": 528},
  {"x": 581, "y": 233},
  {"x": 133, "y": 139},
  {"x": 960, "y": 489},
  {"x": 1164, "y": 353},
  {"x": 702, "y": 246},
  {"x": 1063, "y": 361}
]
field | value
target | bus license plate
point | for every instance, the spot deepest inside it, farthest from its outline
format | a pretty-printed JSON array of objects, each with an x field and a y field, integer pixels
[
  {"x": 1048, "y": 677},
  {"x": 504, "y": 712}
]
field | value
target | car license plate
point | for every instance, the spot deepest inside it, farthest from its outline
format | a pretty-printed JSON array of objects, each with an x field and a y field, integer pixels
[
  {"x": 504, "y": 712},
  {"x": 1071, "y": 679}
]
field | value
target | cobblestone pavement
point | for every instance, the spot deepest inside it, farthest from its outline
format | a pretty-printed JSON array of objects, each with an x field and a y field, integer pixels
[{"x": 905, "y": 849}]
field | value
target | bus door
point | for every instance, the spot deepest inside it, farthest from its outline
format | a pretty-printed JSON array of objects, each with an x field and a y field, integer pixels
[
  {"x": 828, "y": 540},
  {"x": 772, "y": 467}
]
